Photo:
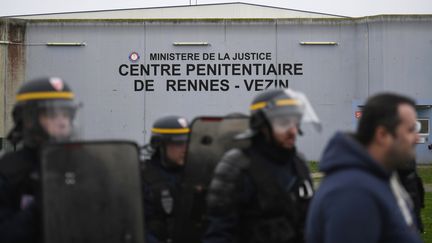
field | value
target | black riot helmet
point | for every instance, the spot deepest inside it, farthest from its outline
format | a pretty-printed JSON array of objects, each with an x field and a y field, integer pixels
[
  {"x": 44, "y": 111},
  {"x": 168, "y": 130},
  {"x": 272, "y": 109}
]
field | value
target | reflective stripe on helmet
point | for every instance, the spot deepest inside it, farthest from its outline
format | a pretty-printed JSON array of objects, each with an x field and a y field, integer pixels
[
  {"x": 258, "y": 106},
  {"x": 44, "y": 95},
  {"x": 170, "y": 130},
  {"x": 281, "y": 102},
  {"x": 285, "y": 102}
]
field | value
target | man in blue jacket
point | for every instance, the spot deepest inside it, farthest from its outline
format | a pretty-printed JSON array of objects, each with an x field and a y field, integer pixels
[{"x": 360, "y": 199}]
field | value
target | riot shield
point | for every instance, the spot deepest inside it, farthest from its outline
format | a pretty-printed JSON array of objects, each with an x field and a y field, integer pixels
[
  {"x": 91, "y": 193},
  {"x": 209, "y": 139}
]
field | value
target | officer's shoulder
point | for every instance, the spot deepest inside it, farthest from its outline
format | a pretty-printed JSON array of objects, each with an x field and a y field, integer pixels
[
  {"x": 5, "y": 159},
  {"x": 235, "y": 157},
  {"x": 151, "y": 173},
  {"x": 148, "y": 166},
  {"x": 10, "y": 157},
  {"x": 13, "y": 162},
  {"x": 300, "y": 156}
]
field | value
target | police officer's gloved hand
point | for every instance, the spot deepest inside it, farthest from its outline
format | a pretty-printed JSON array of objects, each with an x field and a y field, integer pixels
[{"x": 30, "y": 205}]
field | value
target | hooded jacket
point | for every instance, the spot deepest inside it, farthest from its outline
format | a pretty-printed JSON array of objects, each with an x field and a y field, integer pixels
[{"x": 357, "y": 200}]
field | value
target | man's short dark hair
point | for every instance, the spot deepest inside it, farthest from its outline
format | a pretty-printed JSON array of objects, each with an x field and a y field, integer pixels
[{"x": 380, "y": 110}]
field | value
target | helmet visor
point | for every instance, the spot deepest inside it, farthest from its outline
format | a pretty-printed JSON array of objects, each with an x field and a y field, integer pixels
[
  {"x": 309, "y": 115},
  {"x": 282, "y": 124},
  {"x": 56, "y": 118},
  {"x": 177, "y": 139},
  {"x": 57, "y": 107}
]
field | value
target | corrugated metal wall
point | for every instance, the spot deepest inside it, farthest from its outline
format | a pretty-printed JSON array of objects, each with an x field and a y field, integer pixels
[{"x": 372, "y": 54}]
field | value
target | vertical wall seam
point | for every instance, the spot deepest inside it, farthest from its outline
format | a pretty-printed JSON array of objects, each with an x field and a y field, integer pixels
[
  {"x": 6, "y": 31},
  {"x": 368, "y": 58},
  {"x": 145, "y": 93},
  {"x": 276, "y": 45}
]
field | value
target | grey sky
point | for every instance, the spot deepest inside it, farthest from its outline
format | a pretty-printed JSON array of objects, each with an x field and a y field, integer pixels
[{"x": 353, "y": 8}]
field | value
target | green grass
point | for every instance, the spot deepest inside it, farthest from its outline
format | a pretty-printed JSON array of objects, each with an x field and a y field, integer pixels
[
  {"x": 425, "y": 172},
  {"x": 313, "y": 166},
  {"x": 427, "y": 218}
]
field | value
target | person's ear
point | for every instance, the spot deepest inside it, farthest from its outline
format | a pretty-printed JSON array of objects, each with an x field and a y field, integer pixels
[{"x": 382, "y": 136}]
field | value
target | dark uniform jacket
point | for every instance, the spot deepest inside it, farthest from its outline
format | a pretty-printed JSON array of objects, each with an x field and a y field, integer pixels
[
  {"x": 413, "y": 184},
  {"x": 19, "y": 217},
  {"x": 161, "y": 188},
  {"x": 259, "y": 194}
]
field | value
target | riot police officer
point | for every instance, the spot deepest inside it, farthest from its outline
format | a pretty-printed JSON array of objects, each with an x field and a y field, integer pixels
[
  {"x": 413, "y": 184},
  {"x": 43, "y": 112},
  {"x": 162, "y": 177},
  {"x": 261, "y": 193}
]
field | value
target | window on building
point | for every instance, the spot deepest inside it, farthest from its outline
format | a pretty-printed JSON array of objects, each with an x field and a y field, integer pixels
[{"x": 424, "y": 129}]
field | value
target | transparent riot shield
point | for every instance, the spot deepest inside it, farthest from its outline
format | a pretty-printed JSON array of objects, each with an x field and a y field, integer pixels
[
  {"x": 209, "y": 139},
  {"x": 91, "y": 192}
]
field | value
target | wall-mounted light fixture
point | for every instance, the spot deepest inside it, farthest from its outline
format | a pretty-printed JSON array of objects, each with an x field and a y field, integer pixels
[
  {"x": 44, "y": 44},
  {"x": 191, "y": 43},
  {"x": 65, "y": 44},
  {"x": 319, "y": 43}
]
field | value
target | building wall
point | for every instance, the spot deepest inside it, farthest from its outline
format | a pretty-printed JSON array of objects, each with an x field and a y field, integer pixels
[
  {"x": 372, "y": 54},
  {"x": 12, "y": 70}
]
